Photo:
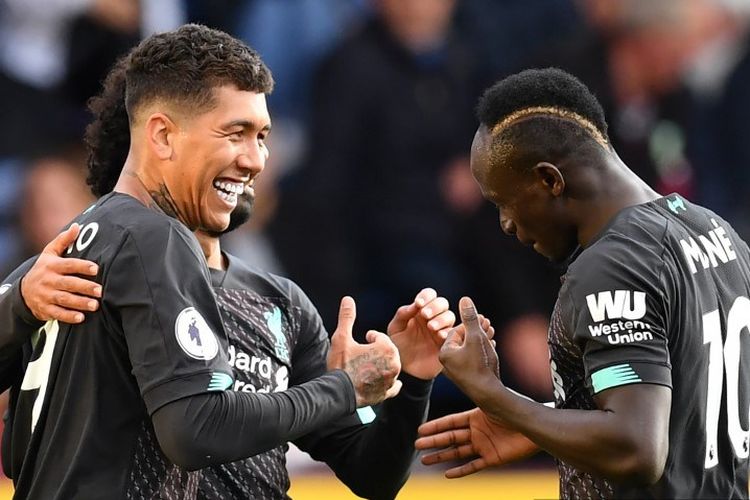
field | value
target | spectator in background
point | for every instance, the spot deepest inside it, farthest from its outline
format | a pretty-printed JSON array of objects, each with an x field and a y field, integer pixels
[
  {"x": 54, "y": 191},
  {"x": 35, "y": 38},
  {"x": 391, "y": 117},
  {"x": 633, "y": 58},
  {"x": 386, "y": 193},
  {"x": 719, "y": 82}
]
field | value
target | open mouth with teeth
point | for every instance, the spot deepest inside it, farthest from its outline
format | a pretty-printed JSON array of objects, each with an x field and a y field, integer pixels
[{"x": 228, "y": 190}]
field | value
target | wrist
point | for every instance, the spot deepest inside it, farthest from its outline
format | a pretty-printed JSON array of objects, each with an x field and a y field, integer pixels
[{"x": 20, "y": 306}]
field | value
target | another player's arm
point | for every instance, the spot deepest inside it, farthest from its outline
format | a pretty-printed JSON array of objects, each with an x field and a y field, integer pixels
[
  {"x": 197, "y": 423},
  {"x": 418, "y": 329},
  {"x": 627, "y": 437},
  {"x": 41, "y": 289}
]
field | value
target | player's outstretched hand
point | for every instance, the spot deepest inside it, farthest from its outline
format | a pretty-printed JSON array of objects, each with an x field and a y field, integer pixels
[
  {"x": 419, "y": 330},
  {"x": 473, "y": 438},
  {"x": 373, "y": 367},
  {"x": 51, "y": 289},
  {"x": 468, "y": 355}
]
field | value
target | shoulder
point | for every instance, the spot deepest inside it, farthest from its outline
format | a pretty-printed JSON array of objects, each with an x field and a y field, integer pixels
[
  {"x": 628, "y": 261},
  {"x": 118, "y": 227},
  {"x": 241, "y": 275},
  {"x": 148, "y": 229}
]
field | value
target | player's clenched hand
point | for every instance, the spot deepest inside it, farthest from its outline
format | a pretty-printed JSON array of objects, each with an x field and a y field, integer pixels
[
  {"x": 373, "y": 367},
  {"x": 473, "y": 438},
  {"x": 418, "y": 330},
  {"x": 51, "y": 289},
  {"x": 468, "y": 355}
]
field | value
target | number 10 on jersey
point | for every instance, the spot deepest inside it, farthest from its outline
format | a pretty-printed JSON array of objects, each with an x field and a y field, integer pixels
[{"x": 725, "y": 358}]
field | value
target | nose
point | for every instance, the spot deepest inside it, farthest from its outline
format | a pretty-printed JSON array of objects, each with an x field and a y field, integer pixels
[
  {"x": 507, "y": 225},
  {"x": 252, "y": 159}
]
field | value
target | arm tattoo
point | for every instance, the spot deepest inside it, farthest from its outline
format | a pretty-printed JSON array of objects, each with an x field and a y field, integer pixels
[{"x": 367, "y": 371}]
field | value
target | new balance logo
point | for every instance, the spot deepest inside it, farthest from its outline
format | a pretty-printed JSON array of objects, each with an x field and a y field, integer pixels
[
  {"x": 676, "y": 204},
  {"x": 615, "y": 305}
]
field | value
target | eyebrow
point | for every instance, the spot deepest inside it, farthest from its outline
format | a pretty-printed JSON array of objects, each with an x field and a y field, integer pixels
[{"x": 244, "y": 124}]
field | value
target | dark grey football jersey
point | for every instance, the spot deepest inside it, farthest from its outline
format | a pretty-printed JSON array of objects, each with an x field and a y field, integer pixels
[
  {"x": 81, "y": 415},
  {"x": 662, "y": 296}
]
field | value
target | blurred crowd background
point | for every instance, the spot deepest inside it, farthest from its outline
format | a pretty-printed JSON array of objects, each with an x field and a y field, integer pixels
[{"x": 368, "y": 190}]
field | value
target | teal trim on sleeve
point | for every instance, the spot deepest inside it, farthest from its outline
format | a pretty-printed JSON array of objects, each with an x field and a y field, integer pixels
[
  {"x": 613, "y": 376},
  {"x": 220, "y": 382},
  {"x": 366, "y": 414}
]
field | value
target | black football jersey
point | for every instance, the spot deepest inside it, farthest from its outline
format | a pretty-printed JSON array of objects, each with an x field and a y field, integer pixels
[
  {"x": 662, "y": 296},
  {"x": 81, "y": 421}
]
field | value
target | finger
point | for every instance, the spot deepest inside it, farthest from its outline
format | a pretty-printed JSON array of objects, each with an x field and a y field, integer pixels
[
  {"x": 63, "y": 315},
  {"x": 464, "y": 470},
  {"x": 347, "y": 315},
  {"x": 394, "y": 390},
  {"x": 402, "y": 317},
  {"x": 78, "y": 286},
  {"x": 425, "y": 296},
  {"x": 64, "y": 265},
  {"x": 444, "y": 439},
  {"x": 374, "y": 336},
  {"x": 74, "y": 302},
  {"x": 449, "y": 455},
  {"x": 446, "y": 423},
  {"x": 443, "y": 321},
  {"x": 455, "y": 338},
  {"x": 63, "y": 240},
  {"x": 435, "y": 307}
]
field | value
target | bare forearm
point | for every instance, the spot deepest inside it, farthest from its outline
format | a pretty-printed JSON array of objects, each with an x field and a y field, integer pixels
[{"x": 602, "y": 442}]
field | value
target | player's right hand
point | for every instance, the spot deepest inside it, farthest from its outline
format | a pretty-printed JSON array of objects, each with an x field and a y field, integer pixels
[
  {"x": 473, "y": 437},
  {"x": 372, "y": 367},
  {"x": 51, "y": 289}
]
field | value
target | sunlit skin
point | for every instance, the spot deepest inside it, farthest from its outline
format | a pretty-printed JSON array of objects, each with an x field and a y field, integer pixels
[
  {"x": 556, "y": 207},
  {"x": 224, "y": 144}
]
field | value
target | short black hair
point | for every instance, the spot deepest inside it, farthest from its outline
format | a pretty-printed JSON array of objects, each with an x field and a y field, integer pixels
[
  {"x": 548, "y": 87},
  {"x": 577, "y": 121},
  {"x": 185, "y": 65},
  {"x": 182, "y": 65}
]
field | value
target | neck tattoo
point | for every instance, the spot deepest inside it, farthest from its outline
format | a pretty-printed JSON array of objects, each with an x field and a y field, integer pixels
[{"x": 163, "y": 201}]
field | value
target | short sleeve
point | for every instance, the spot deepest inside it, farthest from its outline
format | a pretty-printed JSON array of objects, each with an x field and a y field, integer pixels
[
  {"x": 620, "y": 314},
  {"x": 157, "y": 290}
]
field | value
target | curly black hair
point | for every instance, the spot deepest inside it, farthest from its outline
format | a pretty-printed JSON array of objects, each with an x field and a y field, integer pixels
[
  {"x": 569, "y": 121},
  {"x": 181, "y": 67},
  {"x": 107, "y": 137}
]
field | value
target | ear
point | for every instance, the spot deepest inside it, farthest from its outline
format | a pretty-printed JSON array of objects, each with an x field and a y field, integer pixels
[
  {"x": 549, "y": 178},
  {"x": 160, "y": 135}
]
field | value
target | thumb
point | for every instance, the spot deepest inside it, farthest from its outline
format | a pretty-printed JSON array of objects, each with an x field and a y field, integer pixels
[
  {"x": 63, "y": 240},
  {"x": 470, "y": 319},
  {"x": 454, "y": 338},
  {"x": 347, "y": 316}
]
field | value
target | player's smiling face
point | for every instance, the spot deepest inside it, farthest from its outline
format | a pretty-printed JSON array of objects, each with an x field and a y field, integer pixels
[
  {"x": 527, "y": 209},
  {"x": 218, "y": 154}
]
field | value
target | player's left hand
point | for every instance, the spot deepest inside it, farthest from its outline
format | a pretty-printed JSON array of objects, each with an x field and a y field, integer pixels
[
  {"x": 468, "y": 354},
  {"x": 473, "y": 437},
  {"x": 418, "y": 330}
]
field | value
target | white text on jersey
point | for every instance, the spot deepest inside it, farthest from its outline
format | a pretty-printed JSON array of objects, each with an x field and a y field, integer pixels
[
  {"x": 713, "y": 250},
  {"x": 616, "y": 304}
]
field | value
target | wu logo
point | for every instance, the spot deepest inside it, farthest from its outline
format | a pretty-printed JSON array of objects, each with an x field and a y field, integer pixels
[
  {"x": 616, "y": 304},
  {"x": 273, "y": 320}
]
